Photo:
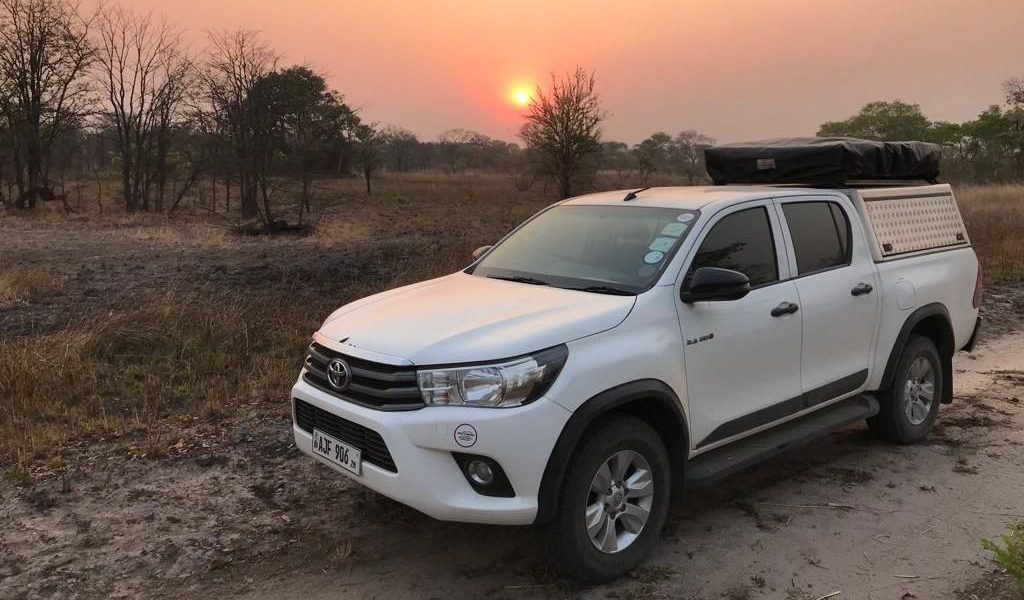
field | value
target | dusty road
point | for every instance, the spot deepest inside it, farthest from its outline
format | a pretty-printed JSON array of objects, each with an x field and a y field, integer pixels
[{"x": 236, "y": 512}]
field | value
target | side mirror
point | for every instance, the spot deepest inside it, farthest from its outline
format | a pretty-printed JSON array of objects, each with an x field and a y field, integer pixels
[
  {"x": 712, "y": 283},
  {"x": 480, "y": 251}
]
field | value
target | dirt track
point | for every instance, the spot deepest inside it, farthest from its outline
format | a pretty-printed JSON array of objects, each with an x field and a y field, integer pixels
[{"x": 238, "y": 513}]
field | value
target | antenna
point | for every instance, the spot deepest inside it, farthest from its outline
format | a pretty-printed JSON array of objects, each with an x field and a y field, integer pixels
[{"x": 632, "y": 195}]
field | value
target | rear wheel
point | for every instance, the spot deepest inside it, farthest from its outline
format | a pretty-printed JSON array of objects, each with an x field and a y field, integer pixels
[
  {"x": 909, "y": 407},
  {"x": 613, "y": 502}
]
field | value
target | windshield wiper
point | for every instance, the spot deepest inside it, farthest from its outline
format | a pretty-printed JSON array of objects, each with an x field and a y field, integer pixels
[
  {"x": 604, "y": 289},
  {"x": 518, "y": 279}
]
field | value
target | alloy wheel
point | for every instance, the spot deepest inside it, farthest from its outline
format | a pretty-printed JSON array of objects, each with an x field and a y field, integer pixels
[
  {"x": 919, "y": 391},
  {"x": 619, "y": 501}
]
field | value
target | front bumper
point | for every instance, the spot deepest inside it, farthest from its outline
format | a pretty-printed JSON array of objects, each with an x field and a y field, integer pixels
[{"x": 421, "y": 443}]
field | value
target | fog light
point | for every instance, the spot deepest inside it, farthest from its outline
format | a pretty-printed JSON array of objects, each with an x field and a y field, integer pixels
[
  {"x": 484, "y": 474},
  {"x": 480, "y": 472}
]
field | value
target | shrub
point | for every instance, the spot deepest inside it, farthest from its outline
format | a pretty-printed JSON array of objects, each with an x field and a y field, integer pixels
[{"x": 1010, "y": 555}]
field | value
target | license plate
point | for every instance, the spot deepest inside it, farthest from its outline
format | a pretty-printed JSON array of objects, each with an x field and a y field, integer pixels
[{"x": 338, "y": 452}]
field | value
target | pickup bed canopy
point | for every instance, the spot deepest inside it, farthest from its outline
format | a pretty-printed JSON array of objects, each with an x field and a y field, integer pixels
[{"x": 821, "y": 161}]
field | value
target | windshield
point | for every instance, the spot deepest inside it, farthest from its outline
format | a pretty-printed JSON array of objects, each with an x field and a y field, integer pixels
[{"x": 605, "y": 249}]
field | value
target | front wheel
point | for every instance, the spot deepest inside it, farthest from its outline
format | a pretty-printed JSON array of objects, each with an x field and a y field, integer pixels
[
  {"x": 613, "y": 502},
  {"x": 909, "y": 407}
]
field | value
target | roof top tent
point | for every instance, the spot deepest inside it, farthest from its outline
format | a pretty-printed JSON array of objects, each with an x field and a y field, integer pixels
[
  {"x": 904, "y": 219},
  {"x": 825, "y": 162}
]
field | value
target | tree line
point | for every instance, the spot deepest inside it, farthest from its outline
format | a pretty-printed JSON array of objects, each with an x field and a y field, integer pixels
[
  {"x": 986, "y": 149},
  {"x": 114, "y": 94},
  {"x": 88, "y": 96}
]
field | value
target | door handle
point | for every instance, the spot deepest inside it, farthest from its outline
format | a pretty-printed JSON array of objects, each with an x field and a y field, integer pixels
[
  {"x": 786, "y": 308},
  {"x": 862, "y": 288}
]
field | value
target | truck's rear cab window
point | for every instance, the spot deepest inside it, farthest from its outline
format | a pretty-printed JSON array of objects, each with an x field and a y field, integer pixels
[{"x": 821, "y": 235}]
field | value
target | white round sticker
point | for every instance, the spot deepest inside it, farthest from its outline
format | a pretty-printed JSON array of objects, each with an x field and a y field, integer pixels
[
  {"x": 685, "y": 217},
  {"x": 465, "y": 435},
  {"x": 653, "y": 258}
]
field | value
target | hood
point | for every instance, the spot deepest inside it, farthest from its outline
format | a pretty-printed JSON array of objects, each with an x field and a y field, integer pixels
[{"x": 464, "y": 318}]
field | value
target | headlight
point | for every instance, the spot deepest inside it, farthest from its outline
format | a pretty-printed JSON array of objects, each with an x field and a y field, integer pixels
[{"x": 500, "y": 385}]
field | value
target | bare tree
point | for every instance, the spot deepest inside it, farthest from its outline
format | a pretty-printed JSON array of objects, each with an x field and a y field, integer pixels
[
  {"x": 44, "y": 53},
  {"x": 369, "y": 146},
  {"x": 562, "y": 130},
  {"x": 238, "y": 61},
  {"x": 1014, "y": 89},
  {"x": 144, "y": 73}
]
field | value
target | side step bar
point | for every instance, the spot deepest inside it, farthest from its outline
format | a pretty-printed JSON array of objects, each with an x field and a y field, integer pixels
[{"x": 721, "y": 462}]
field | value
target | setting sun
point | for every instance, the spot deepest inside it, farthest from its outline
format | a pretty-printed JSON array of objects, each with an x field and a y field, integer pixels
[{"x": 521, "y": 96}]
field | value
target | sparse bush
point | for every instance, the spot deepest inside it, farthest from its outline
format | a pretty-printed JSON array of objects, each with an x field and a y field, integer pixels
[
  {"x": 994, "y": 215},
  {"x": 144, "y": 371},
  {"x": 18, "y": 286},
  {"x": 1010, "y": 555}
]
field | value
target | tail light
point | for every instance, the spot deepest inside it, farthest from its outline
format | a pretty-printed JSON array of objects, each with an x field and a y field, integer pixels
[{"x": 979, "y": 289}]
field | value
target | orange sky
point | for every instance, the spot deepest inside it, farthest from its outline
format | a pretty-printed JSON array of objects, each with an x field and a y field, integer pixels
[{"x": 734, "y": 69}]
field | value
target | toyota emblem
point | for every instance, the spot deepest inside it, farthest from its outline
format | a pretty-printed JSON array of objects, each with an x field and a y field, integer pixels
[{"x": 339, "y": 374}]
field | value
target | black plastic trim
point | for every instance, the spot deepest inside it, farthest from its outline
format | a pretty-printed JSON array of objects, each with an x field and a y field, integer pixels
[
  {"x": 501, "y": 487},
  {"x": 755, "y": 419},
  {"x": 926, "y": 311},
  {"x": 783, "y": 409},
  {"x": 652, "y": 390},
  {"x": 835, "y": 389},
  {"x": 969, "y": 346},
  {"x": 349, "y": 398},
  {"x": 722, "y": 462}
]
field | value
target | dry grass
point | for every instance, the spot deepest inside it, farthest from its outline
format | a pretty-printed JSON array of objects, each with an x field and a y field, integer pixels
[
  {"x": 23, "y": 285},
  {"x": 139, "y": 375},
  {"x": 994, "y": 216},
  {"x": 145, "y": 371}
]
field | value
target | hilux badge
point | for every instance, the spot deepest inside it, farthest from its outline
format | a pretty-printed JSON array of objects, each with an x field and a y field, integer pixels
[{"x": 339, "y": 374}]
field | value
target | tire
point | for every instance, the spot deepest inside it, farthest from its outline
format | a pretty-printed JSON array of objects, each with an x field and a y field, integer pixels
[
  {"x": 627, "y": 445},
  {"x": 907, "y": 409}
]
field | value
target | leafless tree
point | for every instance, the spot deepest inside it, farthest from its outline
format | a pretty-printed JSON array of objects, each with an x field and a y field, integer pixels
[
  {"x": 563, "y": 129},
  {"x": 369, "y": 147},
  {"x": 1014, "y": 89},
  {"x": 44, "y": 54},
  {"x": 238, "y": 61},
  {"x": 144, "y": 73}
]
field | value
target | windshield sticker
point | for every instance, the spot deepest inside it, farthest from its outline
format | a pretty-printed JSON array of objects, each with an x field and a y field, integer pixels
[
  {"x": 674, "y": 229},
  {"x": 653, "y": 258},
  {"x": 685, "y": 217},
  {"x": 662, "y": 244}
]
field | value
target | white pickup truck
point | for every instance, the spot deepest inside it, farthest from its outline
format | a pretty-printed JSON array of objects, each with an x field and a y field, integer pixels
[{"x": 621, "y": 345}]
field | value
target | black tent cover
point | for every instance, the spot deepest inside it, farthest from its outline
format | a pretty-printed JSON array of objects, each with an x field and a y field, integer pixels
[{"x": 821, "y": 161}]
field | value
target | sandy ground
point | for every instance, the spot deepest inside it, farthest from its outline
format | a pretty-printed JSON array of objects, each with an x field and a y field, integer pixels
[
  {"x": 238, "y": 513},
  {"x": 845, "y": 514}
]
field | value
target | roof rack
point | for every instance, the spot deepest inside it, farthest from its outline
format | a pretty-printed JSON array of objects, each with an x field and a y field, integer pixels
[{"x": 861, "y": 185}]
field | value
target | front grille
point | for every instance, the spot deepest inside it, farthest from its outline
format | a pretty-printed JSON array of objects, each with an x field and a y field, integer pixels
[
  {"x": 374, "y": 385},
  {"x": 369, "y": 442}
]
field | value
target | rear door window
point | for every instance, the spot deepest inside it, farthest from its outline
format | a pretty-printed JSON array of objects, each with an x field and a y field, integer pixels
[
  {"x": 821, "y": 235},
  {"x": 741, "y": 242}
]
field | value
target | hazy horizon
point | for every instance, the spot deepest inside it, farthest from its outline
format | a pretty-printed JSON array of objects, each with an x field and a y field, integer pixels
[{"x": 732, "y": 69}]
